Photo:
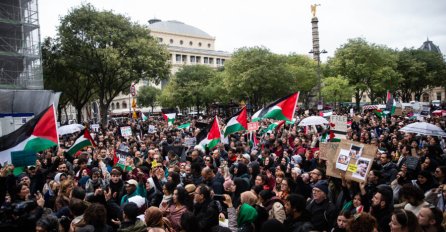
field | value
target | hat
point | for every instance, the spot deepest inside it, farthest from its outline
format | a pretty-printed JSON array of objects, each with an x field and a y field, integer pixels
[
  {"x": 382, "y": 150},
  {"x": 322, "y": 185},
  {"x": 138, "y": 200},
  {"x": 247, "y": 156},
  {"x": 30, "y": 167},
  {"x": 132, "y": 182}
]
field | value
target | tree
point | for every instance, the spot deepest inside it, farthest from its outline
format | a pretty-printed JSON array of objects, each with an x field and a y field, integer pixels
[
  {"x": 148, "y": 96},
  {"x": 111, "y": 51},
  {"x": 257, "y": 75},
  {"x": 302, "y": 69},
  {"x": 419, "y": 69},
  {"x": 368, "y": 68},
  {"x": 189, "y": 87},
  {"x": 336, "y": 89},
  {"x": 60, "y": 74}
]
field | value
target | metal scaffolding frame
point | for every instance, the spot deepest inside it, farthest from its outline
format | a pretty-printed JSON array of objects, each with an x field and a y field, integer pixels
[{"x": 20, "y": 56}]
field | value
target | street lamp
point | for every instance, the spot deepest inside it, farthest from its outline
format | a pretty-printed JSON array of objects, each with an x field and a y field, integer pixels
[{"x": 317, "y": 57}]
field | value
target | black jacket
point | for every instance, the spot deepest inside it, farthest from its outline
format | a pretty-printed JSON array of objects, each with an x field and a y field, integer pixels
[{"x": 323, "y": 214}]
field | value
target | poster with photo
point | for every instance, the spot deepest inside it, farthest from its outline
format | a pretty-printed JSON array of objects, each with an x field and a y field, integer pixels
[
  {"x": 355, "y": 151},
  {"x": 362, "y": 165},
  {"x": 343, "y": 160}
]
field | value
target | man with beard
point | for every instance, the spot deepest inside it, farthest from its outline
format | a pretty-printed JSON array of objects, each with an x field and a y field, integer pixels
[
  {"x": 298, "y": 218},
  {"x": 382, "y": 207}
]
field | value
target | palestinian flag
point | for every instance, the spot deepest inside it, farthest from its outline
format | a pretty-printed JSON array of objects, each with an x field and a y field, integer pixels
[
  {"x": 253, "y": 141},
  {"x": 281, "y": 109},
  {"x": 119, "y": 159},
  {"x": 391, "y": 104},
  {"x": 169, "y": 115},
  {"x": 379, "y": 113},
  {"x": 143, "y": 116},
  {"x": 213, "y": 136},
  {"x": 84, "y": 140},
  {"x": 36, "y": 135},
  {"x": 238, "y": 122},
  {"x": 184, "y": 126}
]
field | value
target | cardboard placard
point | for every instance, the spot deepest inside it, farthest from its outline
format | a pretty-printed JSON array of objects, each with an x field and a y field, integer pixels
[
  {"x": 352, "y": 159},
  {"x": 326, "y": 148},
  {"x": 398, "y": 111}
]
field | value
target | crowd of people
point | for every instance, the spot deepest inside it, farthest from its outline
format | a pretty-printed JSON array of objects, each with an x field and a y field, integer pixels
[{"x": 169, "y": 183}]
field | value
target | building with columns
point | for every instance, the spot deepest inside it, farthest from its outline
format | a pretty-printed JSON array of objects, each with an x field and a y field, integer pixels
[{"x": 187, "y": 45}]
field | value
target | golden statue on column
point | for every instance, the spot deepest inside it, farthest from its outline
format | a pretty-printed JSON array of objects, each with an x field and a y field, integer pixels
[{"x": 313, "y": 9}]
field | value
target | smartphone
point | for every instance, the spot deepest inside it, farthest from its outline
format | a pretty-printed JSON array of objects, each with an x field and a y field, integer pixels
[{"x": 219, "y": 197}]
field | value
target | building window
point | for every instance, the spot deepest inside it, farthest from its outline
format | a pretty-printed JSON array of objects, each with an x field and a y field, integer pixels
[
  {"x": 425, "y": 97},
  {"x": 211, "y": 60},
  {"x": 191, "y": 43},
  {"x": 209, "y": 45},
  {"x": 178, "y": 58},
  {"x": 181, "y": 42},
  {"x": 206, "y": 60},
  {"x": 171, "y": 41},
  {"x": 218, "y": 61},
  {"x": 117, "y": 106},
  {"x": 184, "y": 58},
  {"x": 113, "y": 106},
  {"x": 199, "y": 44},
  {"x": 124, "y": 105},
  {"x": 198, "y": 59},
  {"x": 160, "y": 39},
  {"x": 192, "y": 59},
  {"x": 222, "y": 61},
  {"x": 439, "y": 96}
]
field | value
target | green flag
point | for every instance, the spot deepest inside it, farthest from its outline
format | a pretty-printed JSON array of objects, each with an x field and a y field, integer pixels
[{"x": 184, "y": 126}]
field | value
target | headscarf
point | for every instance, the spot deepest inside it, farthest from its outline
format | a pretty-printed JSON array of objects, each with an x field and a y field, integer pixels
[{"x": 247, "y": 214}]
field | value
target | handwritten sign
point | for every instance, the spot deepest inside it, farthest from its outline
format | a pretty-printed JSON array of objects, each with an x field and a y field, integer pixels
[
  {"x": 340, "y": 122},
  {"x": 253, "y": 126},
  {"x": 126, "y": 131}
]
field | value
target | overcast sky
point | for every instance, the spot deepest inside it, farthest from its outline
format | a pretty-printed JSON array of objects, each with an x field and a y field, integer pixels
[{"x": 283, "y": 26}]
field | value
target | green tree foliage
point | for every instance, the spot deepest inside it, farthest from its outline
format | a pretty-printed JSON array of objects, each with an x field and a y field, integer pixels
[
  {"x": 257, "y": 75},
  {"x": 368, "y": 68},
  {"x": 303, "y": 71},
  {"x": 420, "y": 69},
  {"x": 60, "y": 74},
  {"x": 336, "y": 89},
  {"x": 190, "y": 87},
  {"x": 111, "y": 51},
  {"x": 148, "y": 96}
]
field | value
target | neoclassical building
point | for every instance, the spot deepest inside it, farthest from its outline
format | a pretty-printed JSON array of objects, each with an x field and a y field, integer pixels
[{"x": 186, "y": 44}]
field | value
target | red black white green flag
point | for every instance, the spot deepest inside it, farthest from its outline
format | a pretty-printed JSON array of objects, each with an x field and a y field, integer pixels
[
  {"x": 84, "y": 140},
  {"x": 238, "y": 122},
  {"x": 213, "y": 136},
  {"x": 36, "y": 135},
  {"x": 281, "y": 109}
]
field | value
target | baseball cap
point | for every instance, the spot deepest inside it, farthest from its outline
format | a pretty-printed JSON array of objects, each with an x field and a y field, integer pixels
[{"x": 132, "y": 182}]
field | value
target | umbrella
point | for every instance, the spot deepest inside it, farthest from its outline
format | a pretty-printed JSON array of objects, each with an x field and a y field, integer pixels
[
  {"x": 69, "y": 129},
  {"x": 424, "y": 128},
  {"x": 313, "y": 120}
]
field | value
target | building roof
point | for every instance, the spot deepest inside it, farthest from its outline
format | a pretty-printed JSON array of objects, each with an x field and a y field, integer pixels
[
  {"x": 430, "y": 46},
  {"x": 199, "y": 51},
  {"x": 177, "y": 27}
]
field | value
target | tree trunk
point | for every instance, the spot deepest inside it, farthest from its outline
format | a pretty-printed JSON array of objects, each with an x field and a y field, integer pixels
[
  {"x": 104, "y": 114},
  {"x": 66, "y": 114},
  {"x": 152, "y": 110},
  {"x": 59, "y": 113},
  {"x": 79, "y": 114},
  {"x": 358, "y": 99}
]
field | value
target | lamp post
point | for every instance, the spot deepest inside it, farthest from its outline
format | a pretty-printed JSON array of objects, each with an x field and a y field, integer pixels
[{"x": 317, "y": 54}]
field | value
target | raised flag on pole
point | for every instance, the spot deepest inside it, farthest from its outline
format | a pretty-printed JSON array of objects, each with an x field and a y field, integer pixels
[
  {"x": 281, "y": 109},
  {"x": 84, "y": 140},
  {"x": 38, "y": 134},
  {"x": 143, "y": 116},
  {"x": 238, "y": 122},
  {"x": 169, "y": 115},
  {"x": 213, "y": 136}
]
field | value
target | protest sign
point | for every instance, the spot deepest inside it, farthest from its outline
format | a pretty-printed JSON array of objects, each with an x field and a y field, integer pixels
[
  {"x": 326, "y": 148},
  {"x": 152, "y": 129},
  {"x": 126, "y": 131},
  {"x": 253, "y": 126},
  {"x": 95, "y": 127},
  {"x": 340, "y": 123},
  {"x": 352, "y": 159}
]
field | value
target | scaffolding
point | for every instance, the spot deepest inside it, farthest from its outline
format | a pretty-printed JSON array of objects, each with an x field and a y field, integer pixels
[{"x": 20, "y": 57}]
